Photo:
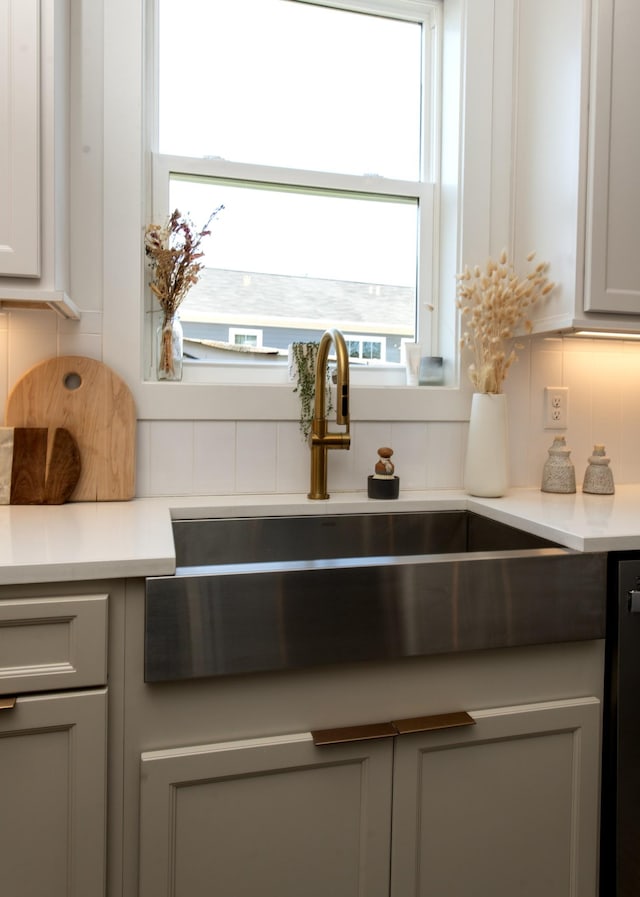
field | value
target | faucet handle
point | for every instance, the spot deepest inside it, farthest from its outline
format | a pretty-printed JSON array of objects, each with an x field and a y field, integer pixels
[{"x": 344, "y": 401}]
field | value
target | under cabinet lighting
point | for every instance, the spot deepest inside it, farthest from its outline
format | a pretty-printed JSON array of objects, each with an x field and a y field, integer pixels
[{"x": 603, "y": 334}]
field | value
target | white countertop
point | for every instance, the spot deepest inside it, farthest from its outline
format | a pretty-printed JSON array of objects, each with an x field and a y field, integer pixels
[{"x": 99, "y": 540}]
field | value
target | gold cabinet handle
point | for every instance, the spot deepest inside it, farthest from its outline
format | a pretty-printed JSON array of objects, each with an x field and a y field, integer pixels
[
  {"x": 353, "y": 733},
  {"x": 7, "y": 703},
  {"x": 396, "y": 727},
  {"x": 433, "y": 723}
]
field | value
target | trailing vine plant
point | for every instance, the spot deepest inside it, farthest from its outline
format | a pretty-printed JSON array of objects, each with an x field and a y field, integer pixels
[{"x": 303, "y": 363}]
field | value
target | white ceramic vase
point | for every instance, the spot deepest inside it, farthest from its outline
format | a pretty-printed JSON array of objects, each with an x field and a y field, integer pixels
[{"x": 486, "y": 471}]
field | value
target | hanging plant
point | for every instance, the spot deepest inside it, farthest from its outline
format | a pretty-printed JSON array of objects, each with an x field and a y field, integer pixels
[{"x": 302, "y": 370}]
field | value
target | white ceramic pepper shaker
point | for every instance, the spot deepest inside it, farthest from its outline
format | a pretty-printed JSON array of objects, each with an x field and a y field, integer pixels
[
  {"x": 598, "y": 477},
  {"x": 558, "y": 473}
]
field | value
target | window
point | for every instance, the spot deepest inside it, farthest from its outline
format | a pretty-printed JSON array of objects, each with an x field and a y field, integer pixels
[
  {"x": 313, "y": 125},
  {"x": 239, "y": 337},
  {"x": 365, "y": 348}
]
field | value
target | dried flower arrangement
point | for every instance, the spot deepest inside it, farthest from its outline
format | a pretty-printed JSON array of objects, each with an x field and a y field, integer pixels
[
  {"x": 495, "y": 304},
  {"x": 173, "y": 252}
]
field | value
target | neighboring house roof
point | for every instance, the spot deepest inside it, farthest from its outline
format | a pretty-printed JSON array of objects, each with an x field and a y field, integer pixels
[{"x": 254, "y": 297}]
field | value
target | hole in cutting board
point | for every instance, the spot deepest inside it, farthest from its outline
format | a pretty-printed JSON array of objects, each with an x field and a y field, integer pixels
[{"x": 72, "y": 381}]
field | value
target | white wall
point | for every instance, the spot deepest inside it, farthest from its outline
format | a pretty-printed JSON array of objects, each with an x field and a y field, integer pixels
[{"x": 233, "y": 457}]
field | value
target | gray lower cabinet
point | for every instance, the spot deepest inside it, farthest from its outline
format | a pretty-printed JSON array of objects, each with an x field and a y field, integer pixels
[
  {"x": 53, "y": 743},
  {"x": 506, "y": 806},
  {"x": 53, "y": 787}
]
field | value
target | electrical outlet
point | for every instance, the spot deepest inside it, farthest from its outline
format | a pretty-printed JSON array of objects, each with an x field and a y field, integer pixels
[{"x": 556, "y": 407}]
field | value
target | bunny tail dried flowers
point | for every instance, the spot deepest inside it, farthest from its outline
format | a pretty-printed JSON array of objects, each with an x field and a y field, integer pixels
[
  {"x": 173, "y": 253},
  {"x": 495, "y": 305}
]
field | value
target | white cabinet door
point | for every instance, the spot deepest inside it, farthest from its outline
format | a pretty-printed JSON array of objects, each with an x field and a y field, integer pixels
[
  {"x": 53, "y": 795},
  {"x": 508, "y": 806},
  {"x": 20, "y": 137},
  {"x": 276, "y": 816},
  {"x": 613, "y": 227}
]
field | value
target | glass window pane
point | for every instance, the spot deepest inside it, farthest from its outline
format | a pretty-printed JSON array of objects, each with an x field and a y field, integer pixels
[
  {"x": 296, "y": 259},
  {"x": 290, "y": 84},
  {"x": 289, "y": 260}
]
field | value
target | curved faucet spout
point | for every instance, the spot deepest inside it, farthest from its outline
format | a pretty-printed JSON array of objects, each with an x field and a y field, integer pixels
[{"x": 321, "y": 440}]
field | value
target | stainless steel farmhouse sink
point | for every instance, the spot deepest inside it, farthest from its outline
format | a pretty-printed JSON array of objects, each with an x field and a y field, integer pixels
[{"x": 277, "y": 593}]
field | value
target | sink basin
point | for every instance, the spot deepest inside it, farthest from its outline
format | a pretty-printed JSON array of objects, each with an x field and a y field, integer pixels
[
  {"x": 277, "y": 593},
  {"x": 246, "y": 540}
]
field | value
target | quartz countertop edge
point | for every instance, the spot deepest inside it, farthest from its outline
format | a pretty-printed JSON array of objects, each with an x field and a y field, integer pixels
[{"x": 100, "y": 540}]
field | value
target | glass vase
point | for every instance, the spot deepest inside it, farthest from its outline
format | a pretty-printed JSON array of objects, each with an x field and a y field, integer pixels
[{"x": 169, "y": 343}]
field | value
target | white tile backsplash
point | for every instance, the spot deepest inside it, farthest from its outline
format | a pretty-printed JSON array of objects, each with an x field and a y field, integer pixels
[
  {"x": 256, "y": 456},
  {"x": 236, "y": 457},
  {"x": 292, "y": 462},
  {"x": 410, "y": 443},
  {"x": 33, "y": 337},
  {"x": 445, "y": 454},
  {"x": 214, "y": 457},
  {"x": 171, "y": 458}
]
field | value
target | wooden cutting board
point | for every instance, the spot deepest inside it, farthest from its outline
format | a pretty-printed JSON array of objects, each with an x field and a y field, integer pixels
[
  {"x": 95, "y": 405},
  {"x": 37, "y": 466}
]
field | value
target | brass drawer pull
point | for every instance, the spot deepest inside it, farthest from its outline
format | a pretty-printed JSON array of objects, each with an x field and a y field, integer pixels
[
  {"x": 390, "y": 730},
  {"x": 433, "y": 723},
  {"x": 353, "y": 733},
  {"x": 7, "y": 703}
]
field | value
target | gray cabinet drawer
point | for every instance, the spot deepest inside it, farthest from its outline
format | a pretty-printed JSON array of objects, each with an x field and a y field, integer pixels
[{"x": 53, "y": 643}]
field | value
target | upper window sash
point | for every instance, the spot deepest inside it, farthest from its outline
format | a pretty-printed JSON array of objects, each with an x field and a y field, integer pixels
[{"x": 427, "y": 13}]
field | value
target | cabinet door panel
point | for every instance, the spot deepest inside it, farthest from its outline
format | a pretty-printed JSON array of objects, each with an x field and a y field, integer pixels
[
  {"x": 19, "y": 137},
  {"x": 613, "y": 232},
  {"x": 53, "y": 787},
  {"x": 269, "y": 816},
  {"x": 508, "y": 806}
]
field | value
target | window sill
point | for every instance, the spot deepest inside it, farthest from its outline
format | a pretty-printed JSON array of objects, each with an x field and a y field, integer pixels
[
  {"x": 258, "y": 371},
  {"x": 244, "y": 397}
]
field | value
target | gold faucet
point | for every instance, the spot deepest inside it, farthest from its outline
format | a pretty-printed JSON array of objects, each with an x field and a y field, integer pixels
[{"x": 321, "y": 440}]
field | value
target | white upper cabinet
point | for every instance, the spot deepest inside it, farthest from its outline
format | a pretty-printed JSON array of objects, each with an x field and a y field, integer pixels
[
  {"x": 613, "y": 225},
  {"x": 19, "y": 130},
  {"x": 575, "y": 182},
  {"x": 34, "y": 94}
]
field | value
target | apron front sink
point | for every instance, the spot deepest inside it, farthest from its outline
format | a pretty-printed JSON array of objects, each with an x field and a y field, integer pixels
[{"x": 282, "y": 593}]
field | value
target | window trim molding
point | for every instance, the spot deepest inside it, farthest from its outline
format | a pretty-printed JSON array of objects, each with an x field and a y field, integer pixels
[{"x": 465, "y": 210}]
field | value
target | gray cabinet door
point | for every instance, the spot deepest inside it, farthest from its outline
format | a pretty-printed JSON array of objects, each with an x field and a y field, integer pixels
[
  {"x": 507, "y": 806},
  {"x": 53, "y": 795},
  {"x": 274, "y": 816}
]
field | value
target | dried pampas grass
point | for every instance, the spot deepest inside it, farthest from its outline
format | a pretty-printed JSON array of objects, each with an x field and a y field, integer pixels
[{"x": 495, "y": 304}]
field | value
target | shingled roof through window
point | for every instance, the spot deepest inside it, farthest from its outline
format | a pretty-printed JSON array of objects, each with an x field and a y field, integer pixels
[{"x": 238, "y": 293}]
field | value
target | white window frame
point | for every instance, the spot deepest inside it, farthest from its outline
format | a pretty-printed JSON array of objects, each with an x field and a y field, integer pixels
[
  {"x": 423, "y": 190},
  {"x": 475, "y": 94}
]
